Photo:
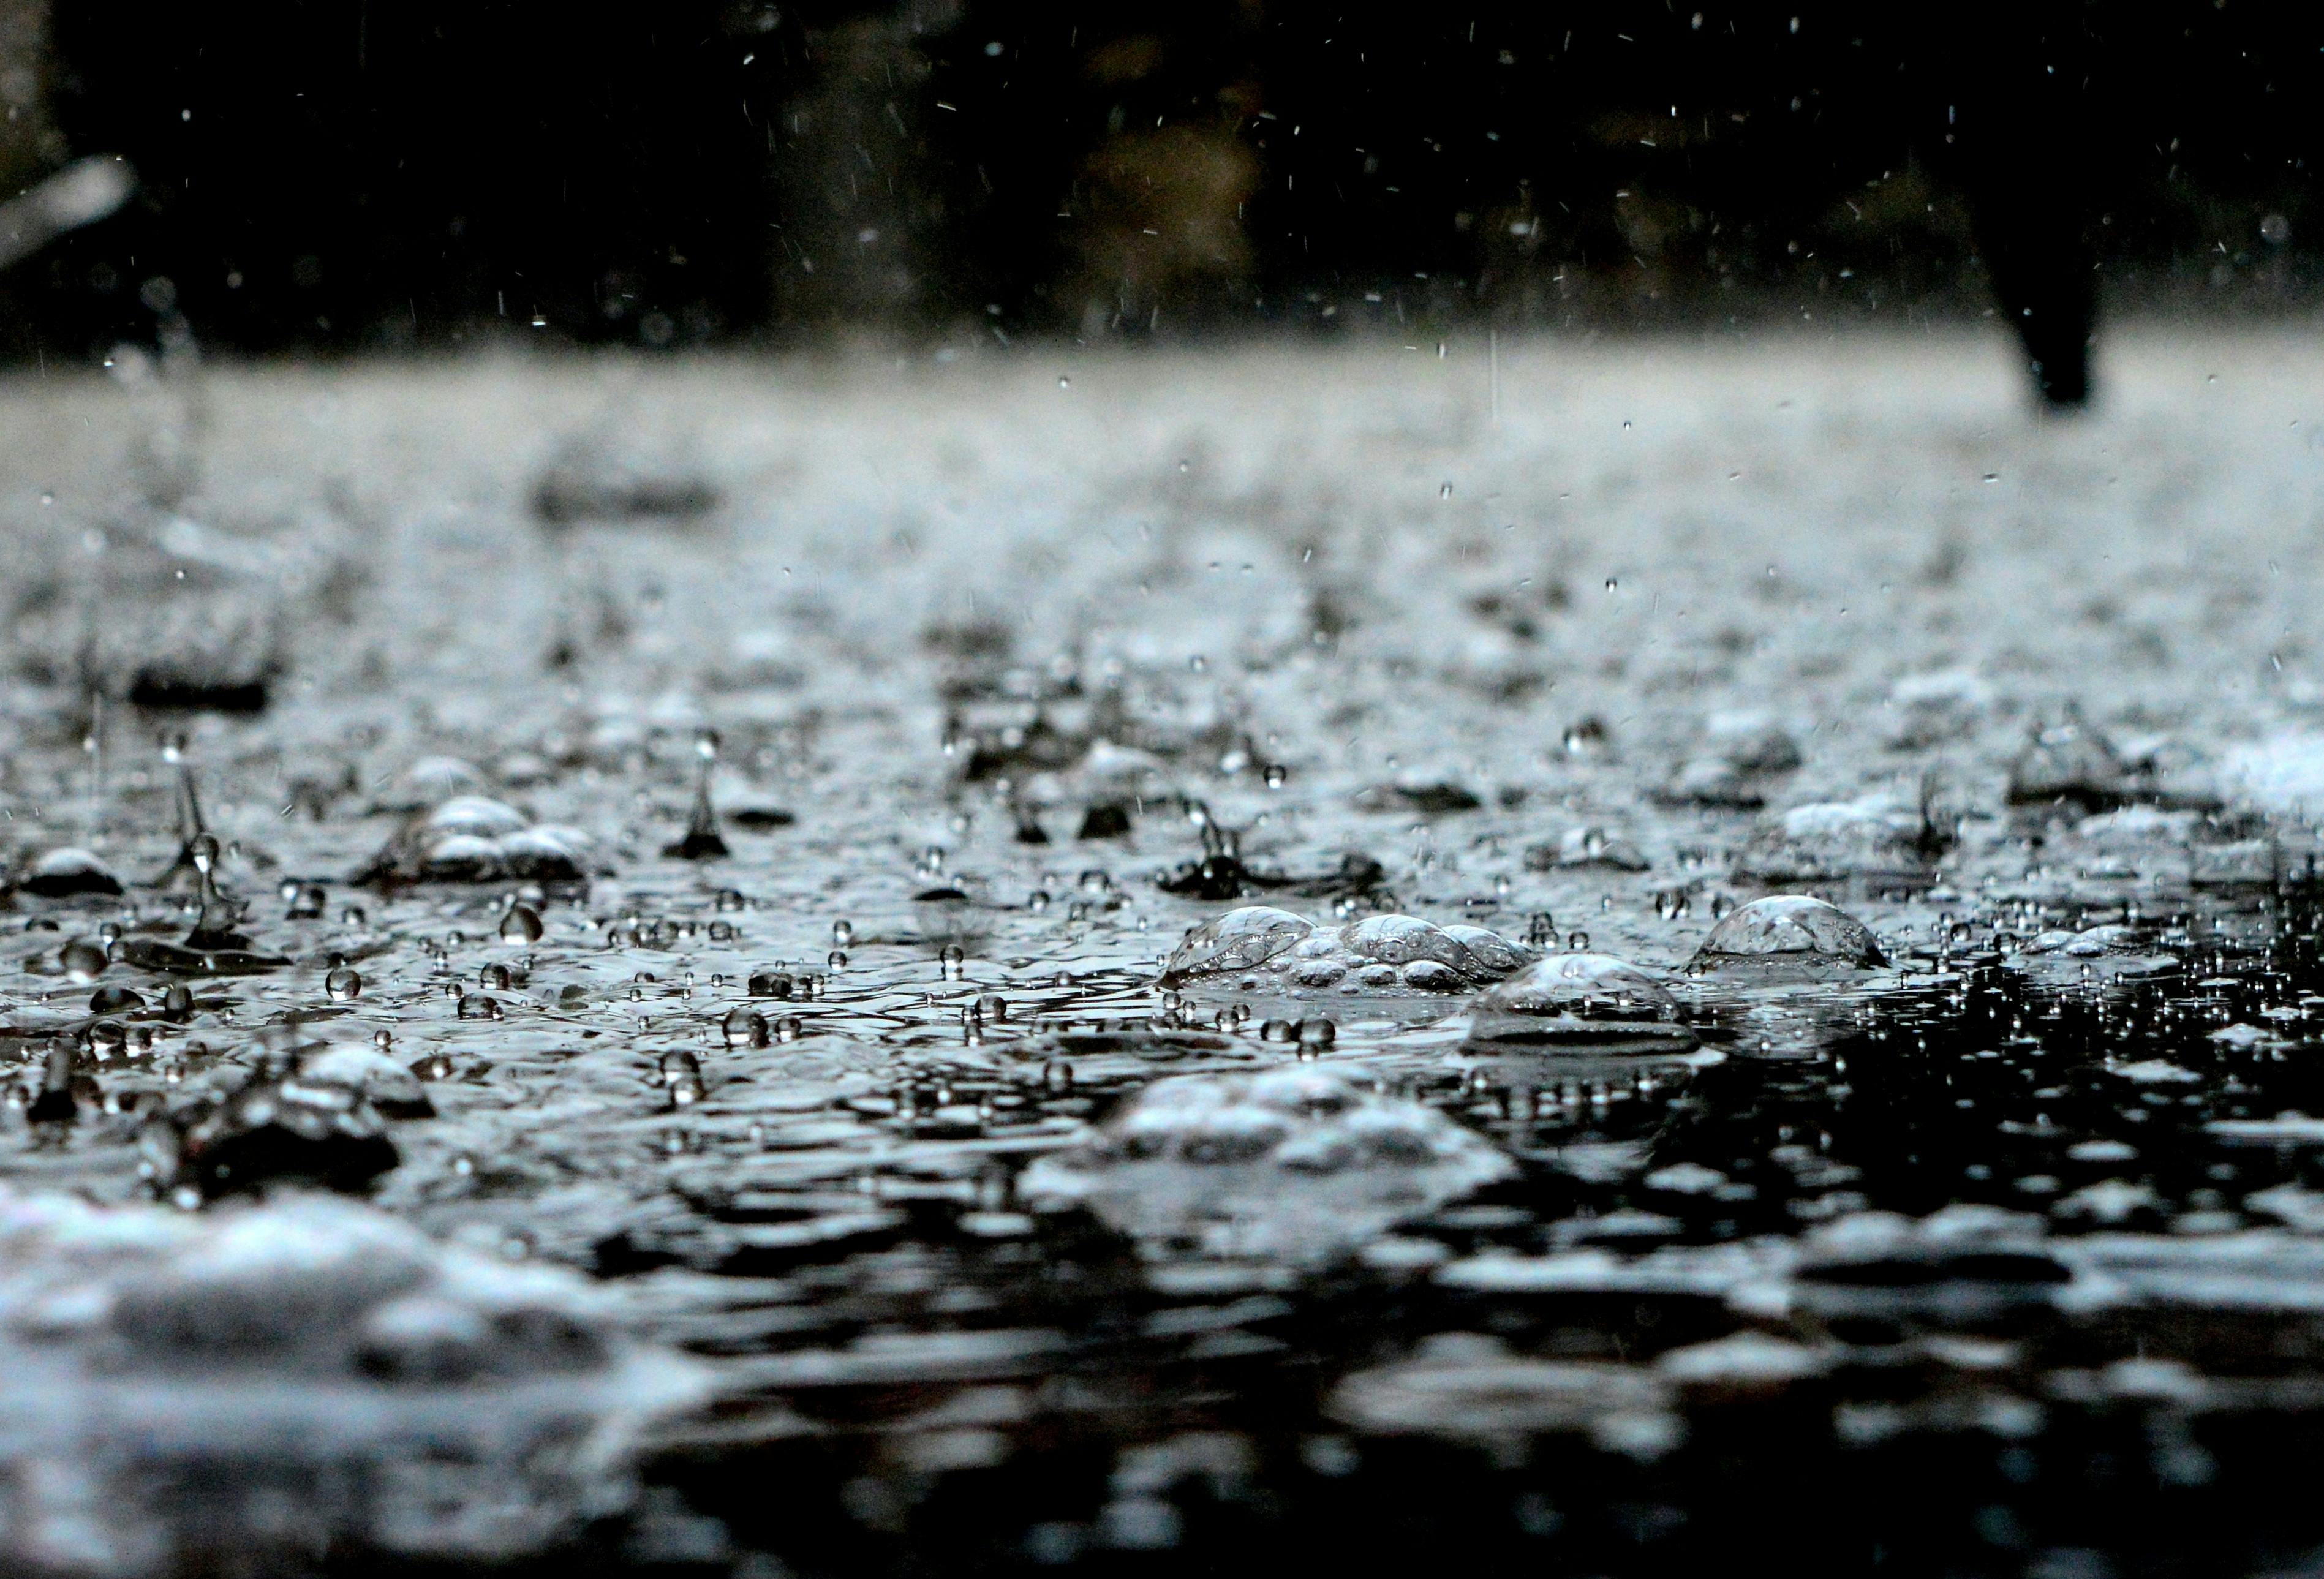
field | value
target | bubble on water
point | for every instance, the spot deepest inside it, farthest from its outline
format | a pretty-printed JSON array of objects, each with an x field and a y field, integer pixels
[
  {"x": 789, "y": 1027},
  {"x": 953, "y": 959},
  {"x": 2101, "y": 954},
  {"x": 224, "y": 1140},
  {"x": 393, "y": 1091},
  {"x": 66, "y": 872},
  {"x": 744, "y": 1028},
  {"x": 478, "y": 1006},
  {"x": 2068, "y": 760},
  {"x": 81, "y": 960},
  {"x": 307, "y": 902},
  {"x": 1788, "y": 931},
  {"x": 522, "y": 924},
  {"x": 681, "y": 1076},
  {"x": 440, "y": 1393},
  {"x": 1832, "y": 840},
  {"x": 1590, "y": 845},
  {"x": 178, "y": 1002},
  {"x": 1468, "y": 1387},
  {"x": 114, "y": 1000},
  {"x": 770, "y": 985},
  {"x": 473, "y": 839},
  {"x": 1293, "y": 1164},
  {"x": 1580, "y": 1002}
]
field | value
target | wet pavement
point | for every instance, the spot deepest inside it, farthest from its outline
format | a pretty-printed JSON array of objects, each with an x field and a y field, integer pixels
[{"x": 1114, "y": 962}]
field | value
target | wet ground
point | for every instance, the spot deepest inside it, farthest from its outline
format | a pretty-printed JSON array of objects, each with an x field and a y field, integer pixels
[{"x": 597, "y": 969}]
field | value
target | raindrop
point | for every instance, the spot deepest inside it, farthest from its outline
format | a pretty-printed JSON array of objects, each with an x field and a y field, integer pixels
[
  {"x": 681, "y": 1074},
  {"x": 82, "y": 960},
  {"x": 744, "y": 1028},
  {"x": 342, "y": 984},
  {"x": 521, "y": 925},
  {"x": 701, "y": 841},
  {"x": 478, "y": 1006}
]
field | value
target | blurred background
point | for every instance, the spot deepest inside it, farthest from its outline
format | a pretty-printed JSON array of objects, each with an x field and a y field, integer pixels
[{"x": 343, "y": 175}]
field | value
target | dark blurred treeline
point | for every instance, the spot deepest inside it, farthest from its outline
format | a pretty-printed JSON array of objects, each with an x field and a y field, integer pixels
[{"x": 349, "y": 173}]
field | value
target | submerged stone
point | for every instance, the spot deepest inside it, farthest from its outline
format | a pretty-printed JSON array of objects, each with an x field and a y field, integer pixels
[
  {"x": 1789, "y": 931},
  {"x": 1292, "y": 1163},
  {"x": 1591, "y": 1003}
]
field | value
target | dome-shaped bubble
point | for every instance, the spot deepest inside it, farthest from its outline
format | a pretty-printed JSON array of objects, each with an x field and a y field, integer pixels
[
  {"x": 68, "y": 871},
  {"x": 1378, "y": 953},
  {"x": 2068, "y": 760},
  {"x": 473, "y": 838},
  {"x": 1584, "y": 1000},
  {"x": 1404, "y": 939},
  {"x": 1832, "y": 840},
  {"x": 1237, "y": 941},
  {"x": 1293, "y": 1163},
  {"x": 1789, "y": 930},
  {"x": 395, "y": 1091},
  {"x": 391, "y": 1394}
]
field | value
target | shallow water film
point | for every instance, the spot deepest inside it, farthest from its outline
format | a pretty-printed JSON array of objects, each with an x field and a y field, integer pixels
[{"x": 818, "y": 968}]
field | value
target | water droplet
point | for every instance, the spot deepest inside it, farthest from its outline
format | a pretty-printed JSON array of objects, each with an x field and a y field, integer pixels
[
  {"x": 343, "y": 984},
  {"x": 843, "y": 933},
  {"x": 81, "y": 960},
  {"x": 744, "y": 1028},
  {"x": 114, "y": 1000},
  {"x": 478, "y": 1006},
  {"x": 523, "y": 924}
]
